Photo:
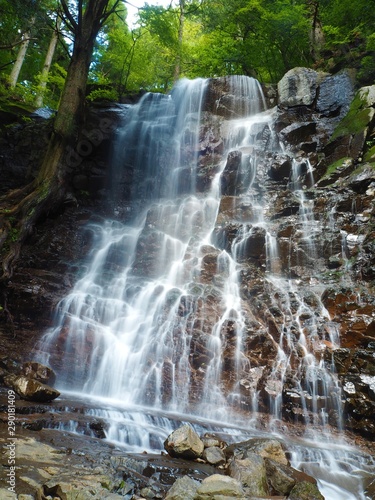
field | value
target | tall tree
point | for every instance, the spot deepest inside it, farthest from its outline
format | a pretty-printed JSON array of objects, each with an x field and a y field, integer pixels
[
  {"x": 22, "y": 208},
  {"x": 47, "y": 64},
  {"x": 180, "y": 36},
  {"x": 316, "y": 32},
  {"x": 13, "y": 78}
]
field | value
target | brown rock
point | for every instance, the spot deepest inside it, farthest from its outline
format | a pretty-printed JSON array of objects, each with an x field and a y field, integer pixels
[
  {"x": 30, "y": 389},
  {"x": 39, "y": 372}
]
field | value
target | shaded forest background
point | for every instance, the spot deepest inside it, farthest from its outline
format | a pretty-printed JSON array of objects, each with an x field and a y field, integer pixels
[{"x": 190, "y": 38}]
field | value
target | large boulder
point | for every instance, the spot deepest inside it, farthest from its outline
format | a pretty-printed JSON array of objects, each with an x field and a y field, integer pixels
[
  {"x": 39, "y": 372},
  {"x": 184, "y": 442},
  {"x": 185, "y": 488},
  {"x": 264, "y": 447},
  {"x": 251, "y": 473},
  {"x": 335, "y": 94},
  {"x": 30, "y": 389},
  {"x": 350, "y": 136},
  {"x": 298, "y": 87},
  {"x": 281, "y": 478},
  {"x": 218, "y": 486}
]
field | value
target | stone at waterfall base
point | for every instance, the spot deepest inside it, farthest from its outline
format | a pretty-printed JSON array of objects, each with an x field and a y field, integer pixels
[
  {"x": 30, "y": 389},
  {"x": 185, "y": 488},
  {"x": 305, "y": 491},
  {"x": 252, "y": 469},
  {"x": 251, "y": 473},
  {"x": 217, "y": 486},
  {"x": 184, "y": 442}
]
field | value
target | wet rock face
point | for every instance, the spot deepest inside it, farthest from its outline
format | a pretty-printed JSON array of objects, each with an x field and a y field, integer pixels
[{"x": 222, "y": 100}]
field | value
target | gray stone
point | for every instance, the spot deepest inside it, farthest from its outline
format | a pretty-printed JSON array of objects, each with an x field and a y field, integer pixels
[
  {"x": 214, "y": 455},
  {"x": 298, "y": 87},
  {"x": 184, "y": 442},
  {"x": 264, "y": 447},
  {"x": 184, "y": 488},
  {"x": 279, "y": 477},
  {"x": 335, "y": 94},
  {"x": 5, "y": 494},
  {"x": 251, "y": 473},
  {"x": 210, "y": 440},
  {"x": 217, "y": 486}
]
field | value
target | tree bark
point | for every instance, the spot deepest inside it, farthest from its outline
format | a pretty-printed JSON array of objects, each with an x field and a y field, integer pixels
[
  {"x": 15, "y": 73},
  {"x": 181, "y": 21},
  {"x": 47, "y": 65},
  {"x": 316, "y": 32}
]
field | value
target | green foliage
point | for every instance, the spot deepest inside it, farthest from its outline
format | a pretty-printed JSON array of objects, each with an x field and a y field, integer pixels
[
  {"x": 370, "y": 42},
  {"x": 36, "y": 20},
  {"x": 55, "y": 84},
  {"x": 260, "y": 38},
  {"x": 103, "y": 94},
  {"x": 349, "y": 37}
]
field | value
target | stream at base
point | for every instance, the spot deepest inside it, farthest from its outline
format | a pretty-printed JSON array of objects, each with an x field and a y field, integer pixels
[{"x": 342, "y": 471}]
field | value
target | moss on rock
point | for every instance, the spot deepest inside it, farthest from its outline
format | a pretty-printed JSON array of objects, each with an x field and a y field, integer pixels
[{"x": 359, "y": 116}]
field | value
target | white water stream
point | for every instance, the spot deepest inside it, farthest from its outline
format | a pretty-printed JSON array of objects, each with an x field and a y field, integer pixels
[{"x": 128, "y": 330}]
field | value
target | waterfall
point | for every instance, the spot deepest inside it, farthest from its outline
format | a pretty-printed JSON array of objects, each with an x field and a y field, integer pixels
[
  {"x": 170, "y": 312},
  {"x": 128, "y": 327}
]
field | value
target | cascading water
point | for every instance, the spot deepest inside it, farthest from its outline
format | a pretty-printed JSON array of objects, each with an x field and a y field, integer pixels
[
  {"x": 137, "y": 304},
  {"x": 161, "y": 319}
]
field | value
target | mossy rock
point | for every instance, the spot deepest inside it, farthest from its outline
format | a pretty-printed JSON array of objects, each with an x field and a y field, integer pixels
[
  {"x": 370, "y": 155},
  {"x": 305, "y": 491},
  {"x": 359, "y": 116},
  {"x": 335, "y": 171},
  {"x": 14, "y": 113}
]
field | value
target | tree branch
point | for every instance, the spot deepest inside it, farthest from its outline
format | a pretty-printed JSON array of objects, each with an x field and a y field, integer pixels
[
  {"x": 110, "y": 12},
  {"x": 69, "y": 19},
  {"x": 12, "y": 45},
  {"x": 80, "y": 13}
]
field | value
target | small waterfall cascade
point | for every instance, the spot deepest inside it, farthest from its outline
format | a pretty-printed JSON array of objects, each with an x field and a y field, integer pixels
[{"x": 200, "y": 302}]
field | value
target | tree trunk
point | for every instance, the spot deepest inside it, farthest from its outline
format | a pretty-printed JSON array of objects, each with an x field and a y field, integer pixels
[
  {"x": 15, "y": 73},
  {"x": 181, "y": 20},
  {"x": 316, "y": 32},
  {"x": 47, "y": 65}
]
